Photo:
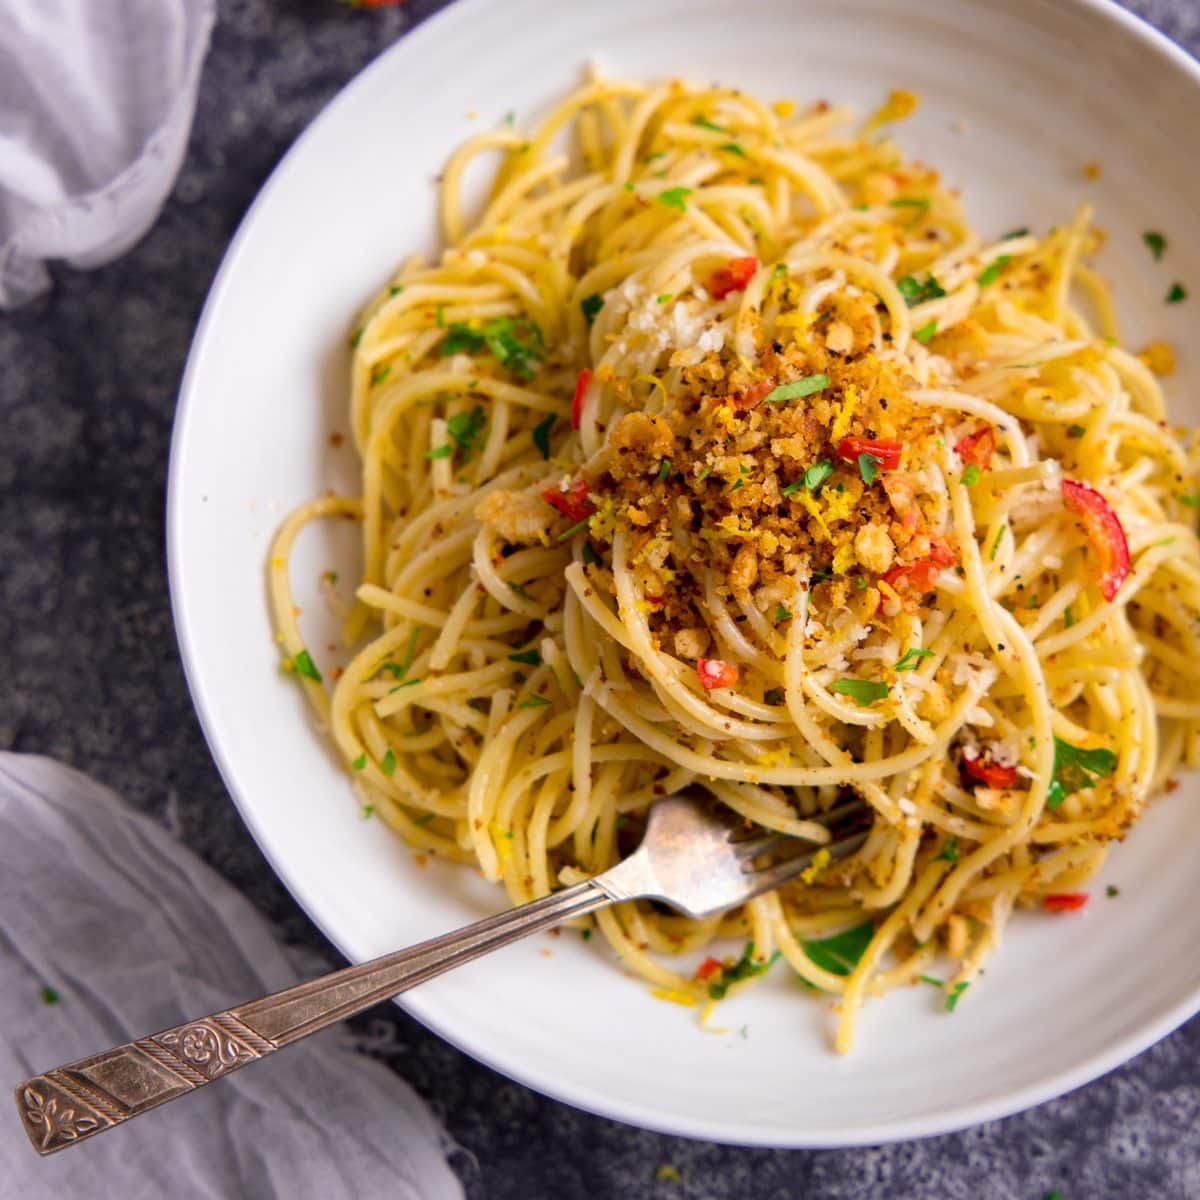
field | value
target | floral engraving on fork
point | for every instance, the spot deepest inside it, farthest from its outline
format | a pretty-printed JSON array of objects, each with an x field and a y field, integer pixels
[
  {"x": 210, "y": 1049},
  {"x": 59, "y": 1123}
]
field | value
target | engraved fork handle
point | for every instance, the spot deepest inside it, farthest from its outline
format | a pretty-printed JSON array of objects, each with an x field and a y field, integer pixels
[{"x": 76, "y": 1101}]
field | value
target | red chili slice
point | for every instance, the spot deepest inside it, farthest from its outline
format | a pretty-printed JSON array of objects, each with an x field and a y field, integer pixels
[
  {"x": 573, "y": 503},
  {"x": 708, "y": 967},
  {"x": 581, "y": 387},
  {"x": 734, "y": 276},
  {"x": 716, "y": 673},
  {"x": 990, "y": 774},
  {"x": 917, "y": 578},
  {"x": 752, "y": 397},
  {"x": 1065, "y": 902},
  {"x": 1105, "y": 532},
  {"x": 884, "y": 451},
  {"x": 978, "y": 447}
]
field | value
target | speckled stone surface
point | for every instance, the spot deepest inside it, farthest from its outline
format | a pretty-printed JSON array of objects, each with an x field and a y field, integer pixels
[{"x": 89, "y": 673}]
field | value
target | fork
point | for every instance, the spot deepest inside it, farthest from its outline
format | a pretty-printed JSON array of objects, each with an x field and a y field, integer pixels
[{"x": 689, "y": 858}]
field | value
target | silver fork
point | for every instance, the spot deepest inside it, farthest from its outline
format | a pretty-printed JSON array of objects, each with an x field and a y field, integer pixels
[{"x": 689, "y": 857}]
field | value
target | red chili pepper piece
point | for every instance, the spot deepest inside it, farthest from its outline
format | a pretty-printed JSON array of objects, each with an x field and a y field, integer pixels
[
  {"x": 734, "y": 276},
  {"x": 573, "y": 503},
  {"x": 581, "y": 386},
  {"x": 1065, "y": 902},
  {"x": 708, "y": 967},
  {"x": 978, "y": 447},
  {"x": 1104, "y": 531},
  {"x": 917, "y": 578},
  {"x": 884, "y": 451},
  {"x": 752, "y": 397},
  {"x": 716, "y": 673},
  {"x": 990, "y": 774}
]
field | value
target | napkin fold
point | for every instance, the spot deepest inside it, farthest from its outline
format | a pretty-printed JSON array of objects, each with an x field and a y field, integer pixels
[
  {"x": 96, "y": 102},
  {"x": 112, "y": 929}
]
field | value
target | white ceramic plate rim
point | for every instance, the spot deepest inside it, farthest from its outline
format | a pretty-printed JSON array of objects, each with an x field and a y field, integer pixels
[{"x": 629, "y": 1110}]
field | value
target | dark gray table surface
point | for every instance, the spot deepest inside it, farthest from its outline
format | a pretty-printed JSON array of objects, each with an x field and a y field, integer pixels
[{"x": 89, "y": 673}]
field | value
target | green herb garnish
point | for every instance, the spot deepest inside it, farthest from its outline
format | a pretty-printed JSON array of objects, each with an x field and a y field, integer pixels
[
  {"x": 464, "y": 428},
  {"x": 911, "y": 658},
  {"x": 732, "y": 148},
  {"x": 996, "y": 543},
  {"x": 807, "y": 386},
  {"x": 515, "y": 342},
  {"x": 576, "y": 528},
  {"x": 1076, "y": 769},
  {"x": 864, "y": 692},
  {"x": 532, "y": 657},
  {"x": 955, "y": 994},
  {"x": 1076, "y": 431},
  {"x": 591, "y": 306},
  {"x": 920, "y": 202},
  {"x": 970, "y": 475},
  {"x": 360, "y": 762},
  {"x": 917, "y": 291},
  {"x": 379, "y": 374},
  {"x": 991, "y": 272},
  {"x": 305, "y": 666},
  {"x": 442, "y": 451},
  {"x": 388, "y": 766},
  {"x": 925, "y": 334},
  {"x": 841, "y": 953},
  {"x": 541, "y": 434},
  {"x": 1156, "y": 242},
  {"x": 534, "y": 702},
  {"x": 746, "y": 967},
  {"x": 590, "y": 557},
  {"x": 782, "y": 614},
  {"x": 949, "y": 852},
  {"x": 49, "y": 995},
  {"x": 675, "y": 197},
  {"x": 868, "y": 466},
  {"x": 1177, "y": 293}
]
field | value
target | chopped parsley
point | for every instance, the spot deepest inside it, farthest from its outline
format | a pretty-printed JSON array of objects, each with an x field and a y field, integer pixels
[
  {"x": 970, "y": 475},
  {"x": 746, "y": 967},
  {"x": 388, "y": 766},
  {"x": 534, "y": 702},
  {"x": 517, "y": 589},
  {"x": 920, "y": 202},
  {"x": 991, "y": 272},
  {"x": 395, "y": 289},
  {"x": 1014, "y": 233},
  {"x": 1076, "y": 769},
  {"x": 515, "y": 343},
  {"x": 1068, "y": 617},
  {"x": 442, "y": 451},
  {"x": 925, "y": 334},
  {"x": 911, "y": 658},
  {"x": 591, "y": 306},
  {"x": 49, "y": 995},
  {"x": 996, "y": 543},
  {"x": 949, "y": 852},
  {"x": 590, "y": 557},
  {"x": 841, "y": 953},
  {"x": 424, "y": 819},
  {"x": 732, "y": 148},
  {"x": 773, "y": 696},
  {"x": 782, "y": 614},
  {"x": 368, "y": 811},
  {"x": 355, "y": 338},
  {"x": 864, "y": 692},
  {"x": 817, "y": 474},
  {"x": 532, "y": 657},
  {"x": 360, "y": 762},
  {"x": 705, "y": 123},
  {"x": 1076, "y": 431},
  {"x": 1112, "y": 890},
  {"x": 665, "y": 298},
  {"x": 955, "y": 994},
  {"x": 1156, "y": 242},
  {"x": 305, "y": 666},
  {"x": 1177, "y": 293},
  {"x": 664, "y": 470},
  {"x": 675, "y": 197},
  {"x": 541, "y": 434},
  {"x": 464, "y": 428},
  {"x": 1192, "y": 500},
  {"x": 807, "y": 386},
  {"x": 576, "y": 528},
  {"x": 406, "y": 683},
  {"x": 917, "y": 291},
  {"x": 868, "y": 466},
  {"x": 379, "y": 374}
]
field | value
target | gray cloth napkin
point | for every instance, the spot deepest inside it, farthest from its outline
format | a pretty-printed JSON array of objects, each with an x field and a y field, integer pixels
[
  {"x": 133, "y": 933},
  {"x": 96, "y": 102}
]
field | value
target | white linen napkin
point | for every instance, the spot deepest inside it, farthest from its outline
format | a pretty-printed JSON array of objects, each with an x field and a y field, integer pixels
[
  {"x": 131, "y": 933},
  {"x": 96, "y": 102}
]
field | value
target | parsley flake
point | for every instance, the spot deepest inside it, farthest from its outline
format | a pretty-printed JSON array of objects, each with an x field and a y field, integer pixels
[
  {"x": 1177, "y": 293},
  {"x": 442, "y": 451},
  {"x": 917, "y": 291},
  {"x": 808, "y": 386},
  {"x": 991, "y": 272},
  {"x": 591, "y": 306},
  {"x": 841, "y": 953},
  {"x": 746, "y": 967},
  {"x": 534, "y": 702},
  {"x": 531, "y": 657},
  {"x": 782, "y": 614},
  {"x": 578, "y": 527},
  {"x": 970, "y": 475},
  {"x": 541, "y": 434},
  {"x": 379, "y": 374},
  {"x": 955, "y": 994},
  {"x": 911, "y": 658},
  {"x": 949, "y": 852},
  {"x": 464, "y": 428},
  {"x": 675, "y": 197},
  {"x": 868, "y": 466},
  {"x": 388, "y": 766},
  {"x": 49, "y": 995},
  {"x": 360, "y": 762},
  {"x": 924, "y": 335},
  {"x": 1076, "y": 431},
  {"x": 1075, "y": 769},
  {"x": 305, "y": 666},
  {"x": 516, "y": 343},
  {"x": 1156, "y": 242},
  {"x": 864, "y": 692},
  {"x": 664, "y": 470},
  {"x": 732, "y": 148},
  {"x": 920, "y": 202},
  {"x": 705, "y": 123}
]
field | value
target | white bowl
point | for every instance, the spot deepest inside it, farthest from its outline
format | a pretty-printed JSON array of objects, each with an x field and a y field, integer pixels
[{"x": 1015, "y": 98}]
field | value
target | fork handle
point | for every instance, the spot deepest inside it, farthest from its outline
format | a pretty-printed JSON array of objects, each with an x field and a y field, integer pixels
[{"x": 73, "y": 1102}]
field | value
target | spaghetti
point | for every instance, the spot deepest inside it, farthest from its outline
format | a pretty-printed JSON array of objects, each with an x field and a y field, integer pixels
[{"x": 719, "y": 447}]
